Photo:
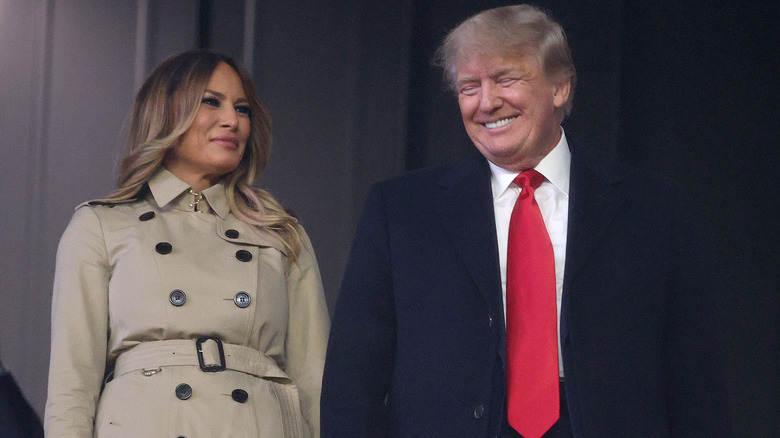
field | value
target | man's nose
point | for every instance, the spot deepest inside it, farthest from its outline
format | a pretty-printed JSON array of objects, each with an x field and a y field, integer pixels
[{"x": 489, "y": 98}]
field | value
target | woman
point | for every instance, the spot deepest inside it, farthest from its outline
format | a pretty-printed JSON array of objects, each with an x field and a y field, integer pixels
[{"x": 187, "y": 303}]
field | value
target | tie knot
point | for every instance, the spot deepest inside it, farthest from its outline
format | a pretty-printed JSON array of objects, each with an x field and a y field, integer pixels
[{"x": 530, "y": 178}]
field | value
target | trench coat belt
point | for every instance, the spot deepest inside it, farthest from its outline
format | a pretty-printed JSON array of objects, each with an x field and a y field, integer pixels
[{"x": 153, "y": 355}]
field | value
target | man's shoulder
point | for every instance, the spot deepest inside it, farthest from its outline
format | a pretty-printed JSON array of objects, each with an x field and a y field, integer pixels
[{"x": 473, "y": 165}]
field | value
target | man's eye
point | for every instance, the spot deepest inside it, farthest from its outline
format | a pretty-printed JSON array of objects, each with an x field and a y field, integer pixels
[
  {"x": 210, "y": 101},
  {"x": 469, "y": 91},
  {"x": 507, "y": 82},
  {"x": 243, "y": 109}
]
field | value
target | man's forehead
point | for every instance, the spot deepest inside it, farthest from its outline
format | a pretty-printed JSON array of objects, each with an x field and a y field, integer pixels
[{"x": 493, "y": 65}]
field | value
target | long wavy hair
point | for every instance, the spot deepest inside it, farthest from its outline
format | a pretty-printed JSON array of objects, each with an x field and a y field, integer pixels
[{"x": 164, "y": 109}]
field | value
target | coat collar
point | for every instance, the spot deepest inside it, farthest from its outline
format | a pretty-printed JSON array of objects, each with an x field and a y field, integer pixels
[
  {"x": 467, "y": 213},
  {"x": 167, "y": 189}
]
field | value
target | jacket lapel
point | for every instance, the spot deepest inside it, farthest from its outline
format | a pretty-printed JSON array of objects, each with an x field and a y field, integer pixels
[
  {"x": 594, "y": 202},
  {"x": 465, "y": 204}
]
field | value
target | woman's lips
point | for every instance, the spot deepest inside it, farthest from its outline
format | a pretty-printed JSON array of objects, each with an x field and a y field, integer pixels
[{"x": 226, "y": 141}]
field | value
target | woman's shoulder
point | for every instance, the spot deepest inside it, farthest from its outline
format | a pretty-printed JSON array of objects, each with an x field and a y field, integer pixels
[
  {"x": 105, "y": 211},
  {"x": 106, "y": 203}
]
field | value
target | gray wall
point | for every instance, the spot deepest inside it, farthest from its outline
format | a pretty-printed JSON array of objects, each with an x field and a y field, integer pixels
[{"x": 69, "y": 70}]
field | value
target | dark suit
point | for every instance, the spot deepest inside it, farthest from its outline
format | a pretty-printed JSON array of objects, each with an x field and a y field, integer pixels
[
  {"x": 418, "y": 342},
  {"x": 17, "y": 417}
]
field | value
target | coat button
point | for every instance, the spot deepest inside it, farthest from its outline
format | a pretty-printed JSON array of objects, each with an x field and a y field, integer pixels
[
  {"x": 146, "y": 216},
  {"x": 242, "y": 299},
  {"x": 177, "y": 297},
  {"x": 183, "y": 391},
  {"x": 231, "y": 233},
  {"x": 479, "y": 411},
  {"x": 239, "y": 395},
  {"x": 490, "y": 321},
  {"x": 243, "y": 255},
  {"x": 163, "y": 248}
]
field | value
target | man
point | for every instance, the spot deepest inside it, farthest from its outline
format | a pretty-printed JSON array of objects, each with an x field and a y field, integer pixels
[
  {"x": 17, "y": 417},
  {"x": 530, "y": 290}
]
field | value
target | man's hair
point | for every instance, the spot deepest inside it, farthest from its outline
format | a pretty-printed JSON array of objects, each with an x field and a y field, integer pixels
[{"x": 511, "y": 31}]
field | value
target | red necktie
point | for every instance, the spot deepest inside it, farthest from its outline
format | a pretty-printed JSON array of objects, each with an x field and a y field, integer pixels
[{"x": 531, "y": 322}]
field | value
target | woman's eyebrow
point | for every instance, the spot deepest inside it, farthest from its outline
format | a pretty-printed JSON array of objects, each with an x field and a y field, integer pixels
[{"x": 223, "y": 97}]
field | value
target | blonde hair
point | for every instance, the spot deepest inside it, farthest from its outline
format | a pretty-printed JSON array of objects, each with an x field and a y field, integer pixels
[
  {"x": 164, "y": 109},
  {"x": 519, "y": 30}
]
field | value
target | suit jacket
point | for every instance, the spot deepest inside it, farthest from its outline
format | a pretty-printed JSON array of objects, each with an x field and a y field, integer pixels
[
  {"x": 17, "y": 417},
  {"x": 418, "y": 340}
]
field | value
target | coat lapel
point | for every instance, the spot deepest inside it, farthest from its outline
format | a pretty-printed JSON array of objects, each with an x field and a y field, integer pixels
[
  {"x": 465, "y": 204},
  {"x": 594, "y": 202}
]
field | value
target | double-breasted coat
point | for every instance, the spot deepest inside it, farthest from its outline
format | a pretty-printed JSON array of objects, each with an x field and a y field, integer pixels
[{"x": 138, "y": 283}]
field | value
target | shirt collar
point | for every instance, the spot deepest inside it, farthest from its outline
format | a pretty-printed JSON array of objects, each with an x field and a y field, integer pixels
[
  {"x": 554, "y": 166},
  {"x": 166, "y": 189}
]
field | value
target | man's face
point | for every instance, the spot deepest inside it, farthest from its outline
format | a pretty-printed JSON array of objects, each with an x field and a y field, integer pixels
[{"x": 511, "y": 111}]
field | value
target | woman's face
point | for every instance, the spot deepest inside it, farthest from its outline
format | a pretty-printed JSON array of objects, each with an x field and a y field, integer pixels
[{"x": 215, "y": 142}]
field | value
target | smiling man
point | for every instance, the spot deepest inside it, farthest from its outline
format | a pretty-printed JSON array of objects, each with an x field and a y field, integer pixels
[{"x": 530, "y": 290}]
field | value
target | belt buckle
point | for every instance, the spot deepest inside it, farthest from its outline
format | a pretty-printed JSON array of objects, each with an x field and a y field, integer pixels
[{"x": 199, "y": 347}]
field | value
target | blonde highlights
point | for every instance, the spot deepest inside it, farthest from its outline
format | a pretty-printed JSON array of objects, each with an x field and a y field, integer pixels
[{"x": 164, "y": 109}]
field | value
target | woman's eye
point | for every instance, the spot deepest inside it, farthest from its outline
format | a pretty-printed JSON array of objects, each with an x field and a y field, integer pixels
[
  {"x": 243, "y": 109},
  {"x": 210, "y": 101}
]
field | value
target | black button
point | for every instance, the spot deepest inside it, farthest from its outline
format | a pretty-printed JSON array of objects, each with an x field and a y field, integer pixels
[
  {"x": 243, "y": 255},
  {"x": 242, "y": 299},
  {"x": 177, "y": 297},
  {"x": 183, "y": 391},
  {"x": 231, "y": 233},
  {"x": 479, "y": 411},
  {"x": 490, "y": 321},
  {"x": 146, "y": 216},
  {"x": 163, "y": 248},
  {"x": 239, "y": 395}
]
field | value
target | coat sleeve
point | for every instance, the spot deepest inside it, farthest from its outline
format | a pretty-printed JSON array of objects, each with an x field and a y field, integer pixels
[
  {"x": 696, "y": 390},
  {"x": 307, "y": 333},
  {"x": 362, "y": 344},
  {"x": 79, "y": 328}
]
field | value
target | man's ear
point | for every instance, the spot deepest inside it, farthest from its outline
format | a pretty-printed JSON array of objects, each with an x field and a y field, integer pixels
[{"x": 561, "y": 93}]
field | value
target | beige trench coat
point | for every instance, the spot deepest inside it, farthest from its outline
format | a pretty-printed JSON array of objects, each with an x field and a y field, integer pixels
[{"x": 131, "y": 275}]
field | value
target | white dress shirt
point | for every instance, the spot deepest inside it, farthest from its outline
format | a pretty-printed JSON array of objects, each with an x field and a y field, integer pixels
[{"x": 553, "y": 199}]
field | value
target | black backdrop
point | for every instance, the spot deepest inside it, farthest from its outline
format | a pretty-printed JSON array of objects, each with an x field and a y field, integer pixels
[{"x": 690, "y": 90}]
